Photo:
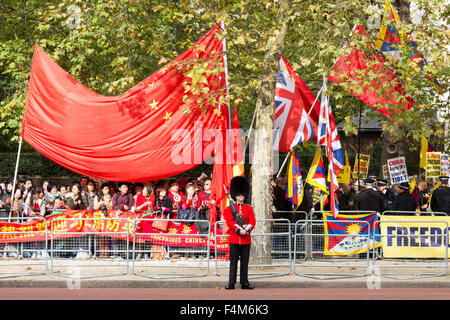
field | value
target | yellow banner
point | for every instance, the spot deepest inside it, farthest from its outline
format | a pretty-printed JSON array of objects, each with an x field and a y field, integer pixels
[
  {"x": 433, "y": 165},
  {"x": 418, "y": 237},
  {"x": 344, "y": 175},
  {"x": 361, "y": 168}
]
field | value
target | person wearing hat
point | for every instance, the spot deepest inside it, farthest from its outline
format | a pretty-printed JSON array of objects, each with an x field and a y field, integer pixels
[
  {"x": 440, "y": 199},
  {"x": 405, "y": 200},
  {"x": 369, "y": 199},
  {"x": 240, "y": 226},
  {"x": 386, "y": 193}
]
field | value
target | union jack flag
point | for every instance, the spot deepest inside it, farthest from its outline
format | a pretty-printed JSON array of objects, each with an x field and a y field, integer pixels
[
  {"x": 327, "y": 124},
  {"x": 292, "y": 123},
  {"x": 335, "y": 154}
]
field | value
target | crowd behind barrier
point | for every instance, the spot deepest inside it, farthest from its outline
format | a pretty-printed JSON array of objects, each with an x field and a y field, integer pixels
[{"x": 166, "y": 221}]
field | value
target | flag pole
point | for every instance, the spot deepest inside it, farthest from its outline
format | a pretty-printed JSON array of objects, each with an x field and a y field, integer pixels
[
  {"x": 225, "y": 62},
  {"x": 15, "y": 176},
  {"x": 284, "y": 163},
  {"x": 249, "y": 131},
  {"x": 359, "y": 143}
]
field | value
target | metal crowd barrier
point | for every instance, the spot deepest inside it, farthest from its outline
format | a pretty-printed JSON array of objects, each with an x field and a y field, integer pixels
[
  {"x": 412, "y": 249},
  {"x": 308, "y": 239},
  {"x": 107, "y": 251},
  {"x": 159, "y": 249},
  {"x": 293, "y": 247},
  {"x": 278, "y": 260},
  {"x": 18, "y": 255}
]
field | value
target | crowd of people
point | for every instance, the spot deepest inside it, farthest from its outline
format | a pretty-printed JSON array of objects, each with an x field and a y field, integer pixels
[
  {"x": 167, "y": 196},
  {"x": 372, "y": 194}
]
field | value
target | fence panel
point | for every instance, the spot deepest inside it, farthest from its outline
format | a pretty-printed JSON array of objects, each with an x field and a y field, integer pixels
[
  {"x": 314, "y": 261},
  {"x": 279, "y": 240},
  {"x": 179, "y": 255},
  {"x": 23, "y": 251},
  {"x": 412, "y": 249},
  {"x": 104, "y": 247}
]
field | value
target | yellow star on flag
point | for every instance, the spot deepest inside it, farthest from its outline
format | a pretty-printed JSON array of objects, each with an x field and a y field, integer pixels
[
  {"x": 167, "y": 116},
  {"x": 154, "y": 104},
  {"x": 151, "y": 84}
]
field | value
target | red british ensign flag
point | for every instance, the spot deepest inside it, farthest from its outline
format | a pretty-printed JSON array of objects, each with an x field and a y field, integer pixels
[{"x": 293, "y": 99}]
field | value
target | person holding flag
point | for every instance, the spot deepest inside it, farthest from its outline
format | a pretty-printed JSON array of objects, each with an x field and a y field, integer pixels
[{"x": 296, "y": 193}]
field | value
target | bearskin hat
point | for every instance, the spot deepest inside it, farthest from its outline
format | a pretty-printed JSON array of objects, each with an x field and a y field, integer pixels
[{"x": 239, "y": 185}]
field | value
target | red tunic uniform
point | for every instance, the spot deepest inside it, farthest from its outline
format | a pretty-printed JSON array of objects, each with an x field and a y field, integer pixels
[{"x": 247, "y": 212}]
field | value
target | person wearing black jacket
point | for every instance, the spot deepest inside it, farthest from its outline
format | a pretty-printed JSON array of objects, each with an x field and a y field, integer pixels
[
  {"x": 370, "y": 199},
  {"x": 405, "y": 200},
  {"x": 387, "y": 195},
  {"x": 282, "y": 205},
  {"x": 440, "y": 199}
]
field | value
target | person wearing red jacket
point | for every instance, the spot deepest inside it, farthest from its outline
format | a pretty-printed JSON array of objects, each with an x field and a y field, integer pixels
[{"x": 240, "y": 225}]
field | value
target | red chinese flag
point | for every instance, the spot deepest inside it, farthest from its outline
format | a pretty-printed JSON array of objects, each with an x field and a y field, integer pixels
[
  {"x": 383, "y": 93},
  {"x": 152, "y": 131}
]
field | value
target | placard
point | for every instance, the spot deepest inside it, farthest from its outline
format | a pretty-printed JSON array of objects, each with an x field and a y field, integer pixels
[
  {"x": 444, "y": 164},
  {"x": 433, "y": 165},
  {"x": 397, "y": 170},
  {"x": 364, "y": 160},
  {"x": 344, "y": 175},
  {"x": 385, "y": 172}
]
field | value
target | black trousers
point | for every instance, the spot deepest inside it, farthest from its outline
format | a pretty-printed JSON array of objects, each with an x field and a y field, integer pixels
[{"x": 239, "y": 252}]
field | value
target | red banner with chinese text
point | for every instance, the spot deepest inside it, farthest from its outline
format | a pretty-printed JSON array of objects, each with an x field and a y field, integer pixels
[{"x": 76, "y": 223}]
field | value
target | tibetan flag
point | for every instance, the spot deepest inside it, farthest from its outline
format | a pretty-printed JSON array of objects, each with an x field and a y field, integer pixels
[
  {"x": 391, "y": 38},
  {"x": 323, "y": 202},
  {"x": 425, "y": 147},
  {"x": 384, "y": 92},
  {"x": 294, "y": 188},
  {"x": 316, "y": 175},
  {"x": 349, "y": 234},
  {"x": 238, "y": 158},
  {"x": 414, "y": 190}
]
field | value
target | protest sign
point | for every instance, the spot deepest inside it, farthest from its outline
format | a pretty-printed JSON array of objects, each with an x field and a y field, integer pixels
[
  {"x": 361, "y": 168},
  {"x": 397, "y": 170},
  {"x": 433, "y": 165},
  {"x": 444, "y": 164}
]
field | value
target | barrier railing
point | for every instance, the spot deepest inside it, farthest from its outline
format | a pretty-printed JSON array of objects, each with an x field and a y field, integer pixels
[
  {"x": 23, "y": 252},
  {"x": 300, "y": 248},
  {"x": 412, "y": 249},
  {"x": 277, "y": 261},
  {"x": 338, "y": 261},
  {"x": 158, "y": 249},
  {"x": 109, "y": 247}
]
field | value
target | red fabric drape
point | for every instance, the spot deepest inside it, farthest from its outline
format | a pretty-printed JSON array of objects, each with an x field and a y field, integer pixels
[
  {"x": 143, "y": 134},
  {"x": 354, "y": 67}
]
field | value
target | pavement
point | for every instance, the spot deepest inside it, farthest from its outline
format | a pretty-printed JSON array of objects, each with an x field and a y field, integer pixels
[{"x": 193, "y": 274}]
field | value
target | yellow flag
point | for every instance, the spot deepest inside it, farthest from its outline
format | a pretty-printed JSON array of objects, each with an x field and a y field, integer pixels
[{"x": 423, "y": 152}]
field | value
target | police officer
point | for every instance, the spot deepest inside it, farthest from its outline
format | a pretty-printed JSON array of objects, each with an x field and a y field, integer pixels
[
  {"x": 369, "y": 199},
  {"x": 405, "y": 200},
  {"x": 440, "y": 199},
  {"x": 240, "y": 225},
  {"x": 387, "y": 194}
]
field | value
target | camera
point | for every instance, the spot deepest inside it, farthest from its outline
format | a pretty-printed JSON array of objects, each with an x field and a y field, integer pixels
[{"x": 104, "y": 210}]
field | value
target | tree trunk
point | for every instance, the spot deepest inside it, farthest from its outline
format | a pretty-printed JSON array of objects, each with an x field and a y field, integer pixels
[{"x": 263, "y": 155}]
